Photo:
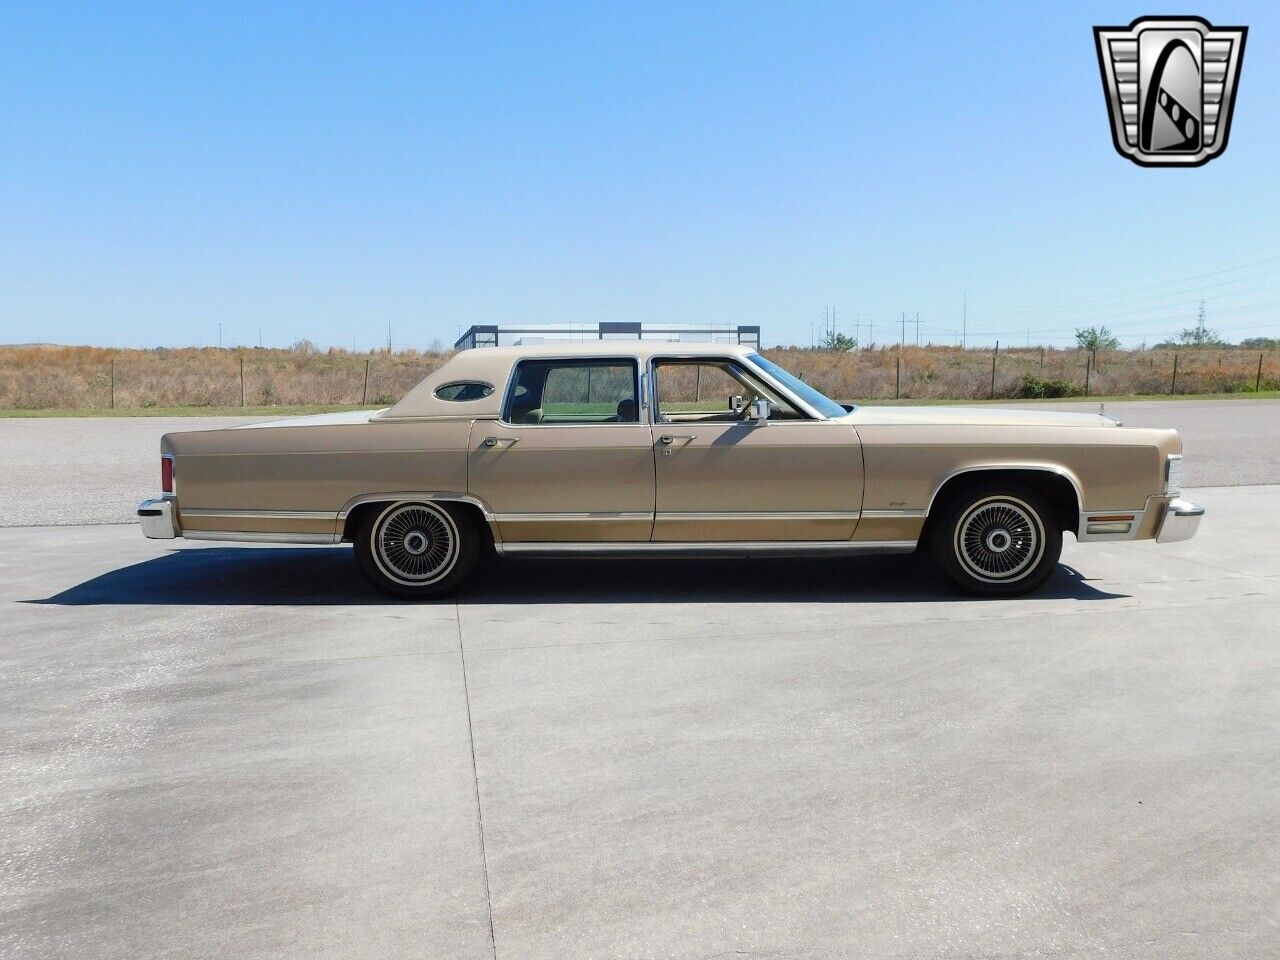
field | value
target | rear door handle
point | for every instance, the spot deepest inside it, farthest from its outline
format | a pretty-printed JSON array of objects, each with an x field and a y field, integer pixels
[{"x": 667, "y": 439}]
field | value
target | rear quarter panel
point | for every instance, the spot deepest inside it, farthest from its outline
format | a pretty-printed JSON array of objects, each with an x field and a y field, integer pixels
[{"x": 315, "y": 469}]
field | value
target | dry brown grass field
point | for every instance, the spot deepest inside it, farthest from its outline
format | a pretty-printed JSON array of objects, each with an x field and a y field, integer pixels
[{"x": 51, "y": 377}]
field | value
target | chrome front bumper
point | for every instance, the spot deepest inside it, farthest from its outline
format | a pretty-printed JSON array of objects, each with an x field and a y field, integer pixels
[
  {"x": 1180, "y": 522},
  {"x": 157, "y": 519}
]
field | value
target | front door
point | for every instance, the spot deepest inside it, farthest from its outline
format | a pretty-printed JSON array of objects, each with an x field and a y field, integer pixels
[
  {"x": 571, "y": 460},
  {"x": 724, "y": 477}
]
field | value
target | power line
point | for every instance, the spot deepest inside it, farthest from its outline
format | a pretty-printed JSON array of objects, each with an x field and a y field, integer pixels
[{"x": 1059, "y": 303}]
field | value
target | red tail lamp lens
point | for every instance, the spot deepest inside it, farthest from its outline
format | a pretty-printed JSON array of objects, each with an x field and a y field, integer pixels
[{"x": 166, "y": 474}]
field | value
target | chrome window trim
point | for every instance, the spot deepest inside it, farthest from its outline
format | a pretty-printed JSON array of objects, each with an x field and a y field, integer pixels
[
  {"x": 530, "y": 426},
  {"x": 454, "y": 383},
  {"x": 795, "y": 401},
  {"x": 766, "y": 376},
  {"x": 586, "y": 360}
]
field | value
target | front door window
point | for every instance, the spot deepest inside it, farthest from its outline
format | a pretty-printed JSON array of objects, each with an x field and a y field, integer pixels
[{"x": 712, "y": 391}]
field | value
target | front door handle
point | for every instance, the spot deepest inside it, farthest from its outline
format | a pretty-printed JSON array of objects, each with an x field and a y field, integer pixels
[
  {"x": 494, "y": 441},
  {"x": 667, "y": 439}
]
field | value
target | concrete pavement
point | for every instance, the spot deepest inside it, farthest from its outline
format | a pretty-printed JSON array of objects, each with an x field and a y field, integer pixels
[{"x": 243, "y": 751}]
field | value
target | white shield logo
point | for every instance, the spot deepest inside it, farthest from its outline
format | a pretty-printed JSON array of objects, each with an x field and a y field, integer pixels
[{"x": 1170, "y": 84}]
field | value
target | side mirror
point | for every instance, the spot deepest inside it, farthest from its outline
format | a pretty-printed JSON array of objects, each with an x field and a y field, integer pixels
[
  {"x": 736, "y": 404},
  {"x": 759, "y": 412}
]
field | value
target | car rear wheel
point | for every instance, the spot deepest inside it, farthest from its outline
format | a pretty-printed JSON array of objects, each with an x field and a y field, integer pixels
[
  {"x": 996, "y": 539},
  {"x": 417, "y": 551}
]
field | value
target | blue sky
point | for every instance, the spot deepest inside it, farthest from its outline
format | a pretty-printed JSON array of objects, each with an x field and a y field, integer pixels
[{"x": 322, "y": 171}]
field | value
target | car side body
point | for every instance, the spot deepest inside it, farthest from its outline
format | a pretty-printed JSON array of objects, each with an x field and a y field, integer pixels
[{"x": 794, "y": 474}]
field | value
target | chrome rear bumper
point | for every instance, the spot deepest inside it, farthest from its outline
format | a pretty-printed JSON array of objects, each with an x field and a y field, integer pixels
[
  {"x": 157, "y": 520},
  {"x": 1180, "y": 522}
]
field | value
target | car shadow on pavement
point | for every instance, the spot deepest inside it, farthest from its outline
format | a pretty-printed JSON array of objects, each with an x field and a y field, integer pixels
[
  {"x": 328, "y": 576},
  {"x": 884, "y": 579},
  {"x": 252, "y": 576}
]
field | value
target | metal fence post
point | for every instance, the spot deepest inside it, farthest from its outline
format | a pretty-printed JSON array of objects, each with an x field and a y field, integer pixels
[
  {"x": 364, "y": 394},
  {"x": 1087, "y": 364},
  {"x": 1257, "y": 384},
  {"x": 242, "y": 379},
  {"x": 113, "y": 383},
  {"x": 897, "y": 386},
  {"x": 1173, "y": 387},
  {"x": 994, "y": 353}
]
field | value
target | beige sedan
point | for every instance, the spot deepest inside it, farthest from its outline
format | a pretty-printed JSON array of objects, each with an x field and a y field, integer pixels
[{"x": 633, "y": 448}]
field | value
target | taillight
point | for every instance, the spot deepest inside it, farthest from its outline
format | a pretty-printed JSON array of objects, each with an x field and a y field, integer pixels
[{"x": 166, "y": 474}]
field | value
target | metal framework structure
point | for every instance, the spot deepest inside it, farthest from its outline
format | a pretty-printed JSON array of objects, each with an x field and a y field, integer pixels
[{"x": 493, "y": 335}]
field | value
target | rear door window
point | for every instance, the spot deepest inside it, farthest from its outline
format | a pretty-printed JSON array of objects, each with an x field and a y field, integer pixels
[{"x": 573, "y": 391}]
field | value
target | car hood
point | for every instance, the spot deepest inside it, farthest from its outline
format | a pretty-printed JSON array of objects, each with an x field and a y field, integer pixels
[
  {"x": 315, "y": 420},
  {"x": 976, "y": 416}
]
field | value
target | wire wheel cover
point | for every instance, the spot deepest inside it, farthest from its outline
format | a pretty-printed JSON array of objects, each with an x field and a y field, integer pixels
[
  {"x": 999, "y": 539},
  {"x": 415, "y": 543}
]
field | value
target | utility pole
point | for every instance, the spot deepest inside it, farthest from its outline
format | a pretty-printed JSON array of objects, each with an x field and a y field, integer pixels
[
  {"x": 388, "y": 336},
  {"x": 964, "y": 321},
  {"x": 259, "y": 338},
  {"x": 917, "y": 328},
  {"x": 903, "y": 342}
]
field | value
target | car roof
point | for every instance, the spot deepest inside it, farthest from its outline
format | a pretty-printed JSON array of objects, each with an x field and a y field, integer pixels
[{"x": 492, "y": 365}]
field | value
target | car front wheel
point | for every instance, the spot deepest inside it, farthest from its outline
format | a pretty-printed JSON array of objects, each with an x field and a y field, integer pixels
[
  {"x": 996, "y": 540},
  {"x": 417, "y": 551}
]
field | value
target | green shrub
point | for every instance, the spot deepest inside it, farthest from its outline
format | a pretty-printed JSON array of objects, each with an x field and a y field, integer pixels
[{"x": 1039, "y": 388}]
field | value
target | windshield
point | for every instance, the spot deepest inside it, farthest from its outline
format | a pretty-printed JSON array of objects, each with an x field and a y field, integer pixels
[{"x": 823, "y": 404}]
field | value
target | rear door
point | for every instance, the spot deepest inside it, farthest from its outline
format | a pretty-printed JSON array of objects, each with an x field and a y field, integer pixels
[
  {"x": 571, "y": 459},
  {"x": 723, "y": 477}
]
